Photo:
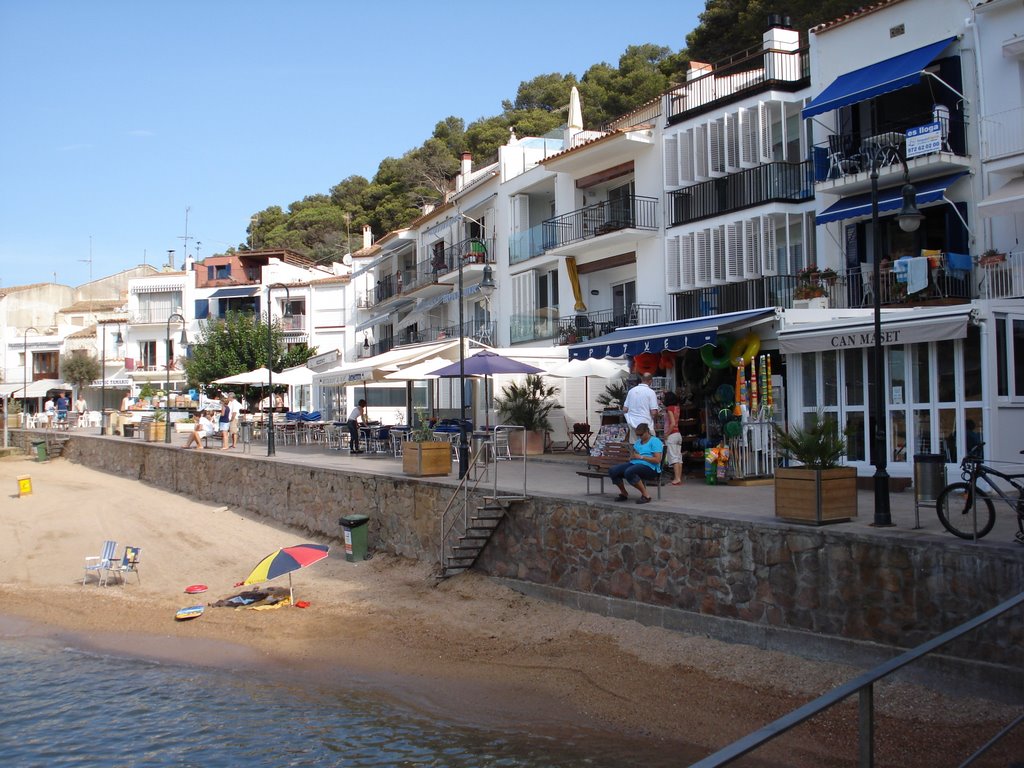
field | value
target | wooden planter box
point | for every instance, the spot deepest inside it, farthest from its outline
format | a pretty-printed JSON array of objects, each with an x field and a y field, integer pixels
[
  {"x": 816, "y": 496},
  {"x": 156, "y": 431},
  {"x": 430, "y": 459},
  {"x": 534, "y": 443}
]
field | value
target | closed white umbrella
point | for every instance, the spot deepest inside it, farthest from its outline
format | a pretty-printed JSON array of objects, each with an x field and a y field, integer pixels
[{"x": 591, "y": 366}]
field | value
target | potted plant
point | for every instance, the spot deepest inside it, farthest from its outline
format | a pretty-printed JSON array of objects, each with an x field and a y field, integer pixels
[
  {"x": 991, "y": 257},
  {"x": 184, "y": 425},
  {"x": 146, "y": 393},
  {"x": 156, "y": 429},
  {"x": 820, "y": 490},
  {"x": 527, "y": 405},
  {"x": 422, "y": 456}
]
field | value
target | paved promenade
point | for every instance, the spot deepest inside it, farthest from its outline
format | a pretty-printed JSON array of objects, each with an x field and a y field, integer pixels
[{"x": 553, "y": 475}]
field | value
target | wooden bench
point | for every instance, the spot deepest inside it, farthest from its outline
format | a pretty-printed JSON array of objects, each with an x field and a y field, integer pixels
[{"x": 616, "y": 453}]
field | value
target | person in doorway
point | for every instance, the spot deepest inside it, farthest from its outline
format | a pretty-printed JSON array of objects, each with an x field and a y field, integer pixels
[
  {"x": 356, "y": 418},
  {"x": 644, "y": 464},
  {"x": 641, "y": 405},
  {"x": 673, "y": 440}
]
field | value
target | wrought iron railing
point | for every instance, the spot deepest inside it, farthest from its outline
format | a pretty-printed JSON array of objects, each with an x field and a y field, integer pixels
[
  {"x": 753, "y": 71},
  {"x": 482, "y": 332},
  {"x": 473, "y": 250},
  {"x": 629, "y": 211},
  {"x": 773, "y": 182},
  {"x": 583, "y": 326}
]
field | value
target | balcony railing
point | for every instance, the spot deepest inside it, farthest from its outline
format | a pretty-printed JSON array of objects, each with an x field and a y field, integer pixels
[
  {"x": 583, "y": 326},
  {"x": 382, "y": 346},
  {"x": 1001, "y": 279},
  {"x": 152, "y": 315},
  {"x": 481, "y": 332},
  {"x": 629, "y": 211},
  {"x": 293, "y": 323},
  {"x": 852, "y": 153},
  {"x": 543, "y": 324},
  {"x": 525, "y": 245},
  {"x": 754, "y": 71},
  {"x": 774, "y": 182},
  {"x": 470, "y": 251},
  {"x": 1002, "y": 134}
]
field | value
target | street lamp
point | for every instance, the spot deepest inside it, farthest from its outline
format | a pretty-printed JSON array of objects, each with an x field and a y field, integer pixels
[
  {"x": 24, "y": 372},
  {"x": 167, "y": 390},
  {"x": 103, "y": 375},
  {"x": 463, "y": 438},
  {"x": 271, "y": 448},
  {"x": 909, "y": 219}
]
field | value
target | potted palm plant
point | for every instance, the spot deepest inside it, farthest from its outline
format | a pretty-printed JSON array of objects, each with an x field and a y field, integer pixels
[
  {"x": 820, "y": 490},
  {"x": 422, "y": 456},
  {"x": 527, "y": 405}
]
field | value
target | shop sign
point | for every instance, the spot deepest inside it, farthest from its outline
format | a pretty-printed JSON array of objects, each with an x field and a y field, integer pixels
[{"x": 924, "y": 140}]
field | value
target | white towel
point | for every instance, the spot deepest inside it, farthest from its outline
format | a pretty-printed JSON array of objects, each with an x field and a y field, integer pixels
[{"x": 917, "y": 274}]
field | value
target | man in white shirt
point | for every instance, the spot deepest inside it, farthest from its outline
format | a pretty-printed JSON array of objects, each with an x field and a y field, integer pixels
[
  {"x": 641, "y": 405},
  {"x": 235, "y": 409},
  {"x": 203, "y": 428}
]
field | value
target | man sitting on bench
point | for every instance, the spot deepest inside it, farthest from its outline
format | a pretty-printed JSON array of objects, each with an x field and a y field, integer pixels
[{"x": 644, "y": 464}]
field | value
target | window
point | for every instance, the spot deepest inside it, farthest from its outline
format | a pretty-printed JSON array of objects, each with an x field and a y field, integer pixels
[
  {"x": 1009, "y": 358},
  {"x": 218, "y": 272},
  {"x": 623, "y": 299},
  {"x": 45, "y": 365},
  {"x": 158, "y": 307},
  {"x": 147, "y": 355}
]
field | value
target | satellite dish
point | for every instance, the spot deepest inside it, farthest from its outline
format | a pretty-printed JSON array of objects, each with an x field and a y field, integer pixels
[{"x": 347, "y": 259}]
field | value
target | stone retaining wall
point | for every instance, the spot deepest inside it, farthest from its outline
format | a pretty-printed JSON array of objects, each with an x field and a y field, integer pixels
[{"x": 815, "y": 582}]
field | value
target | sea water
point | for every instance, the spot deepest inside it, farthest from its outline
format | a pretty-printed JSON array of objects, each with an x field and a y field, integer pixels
[{"x": 64, "y": 707}]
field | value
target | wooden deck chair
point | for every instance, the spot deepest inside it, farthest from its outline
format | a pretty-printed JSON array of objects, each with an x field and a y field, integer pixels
[
  {"x": 128, "y": 564},
  {"x": 100, "y": 564}
]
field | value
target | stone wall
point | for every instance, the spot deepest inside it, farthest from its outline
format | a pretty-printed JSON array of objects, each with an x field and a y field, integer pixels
[{"x": 754, "y": 582}]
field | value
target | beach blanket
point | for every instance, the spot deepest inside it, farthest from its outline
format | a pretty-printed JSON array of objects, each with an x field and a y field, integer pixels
[{"x": 255, "y": 598}]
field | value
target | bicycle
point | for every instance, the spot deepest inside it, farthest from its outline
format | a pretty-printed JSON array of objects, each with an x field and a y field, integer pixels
[{"x": 967, "y": 511}]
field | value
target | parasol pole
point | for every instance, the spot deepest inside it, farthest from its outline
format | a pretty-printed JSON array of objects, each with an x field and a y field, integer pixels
[{"x": 291, "y": 594}]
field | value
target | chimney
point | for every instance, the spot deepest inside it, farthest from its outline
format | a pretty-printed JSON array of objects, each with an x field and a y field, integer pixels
[
  {"x": 189, "y": 264},
  {"x": 367, "y": 236},
  {"x": 780, "y": 36},
  {"x": 697, "y": 69},
  {"x": 170, "y": 259},
  {"x": 465, "y": 168}
]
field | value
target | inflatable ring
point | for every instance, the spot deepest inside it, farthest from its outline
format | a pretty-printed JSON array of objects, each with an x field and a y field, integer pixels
[
  {"x": 745, "y": 350},
  {"x": 717, "y": 355},
  {"x": 646, "y": 362},
  {"x": 667, "y": 360}
]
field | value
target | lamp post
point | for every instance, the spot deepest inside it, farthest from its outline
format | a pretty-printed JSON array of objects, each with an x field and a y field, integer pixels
[
  {"x": 909, "y": 219},
  {"x": 24, "y": 372},
  {"x": 271, "y": 447},
  {"x": 167, "y": 389},
  {"x": 463, "y": 438},
  {"x": 103, "y": 376}
]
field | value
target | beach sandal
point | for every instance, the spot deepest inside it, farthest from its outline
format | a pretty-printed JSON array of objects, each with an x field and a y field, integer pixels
[
  {"x": 622, "y": 497},
  {"x": 677, "y": 482},
  {"x": 644, "y": 500}
]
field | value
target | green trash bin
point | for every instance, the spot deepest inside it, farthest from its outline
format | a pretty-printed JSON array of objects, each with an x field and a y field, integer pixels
[
  {"x": 355, "y": 536},
  {"x": 39, "y": 446}
]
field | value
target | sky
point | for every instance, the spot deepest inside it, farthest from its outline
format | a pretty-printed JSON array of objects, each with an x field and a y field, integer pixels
[{"x": 122, "y": 119}]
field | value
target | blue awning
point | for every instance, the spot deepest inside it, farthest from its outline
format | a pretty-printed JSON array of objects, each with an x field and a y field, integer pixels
[
  {"x": 876, "y": 79},
  {"x": 235, "y": 293},
  {"x": 890, "y": 199},
  {"x": 671, "y": 337}
]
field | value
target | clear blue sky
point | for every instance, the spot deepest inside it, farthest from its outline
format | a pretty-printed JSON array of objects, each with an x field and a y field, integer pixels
[{"x": 119, "y": 114}]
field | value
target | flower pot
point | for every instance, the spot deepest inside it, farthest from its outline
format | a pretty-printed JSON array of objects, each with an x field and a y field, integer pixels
[
  {"x": 183, "y": 427},
  {"x": 534, "y": 442},
  {"x": 156, "y": 431},
  {"x": 428, "y": 459},
  {"x": 816, "y": 496}
]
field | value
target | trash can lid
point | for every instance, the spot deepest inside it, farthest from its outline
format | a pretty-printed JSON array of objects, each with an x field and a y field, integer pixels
[
  {"x": 354, "y": 521},
  {"x": 930, "y": 458}
]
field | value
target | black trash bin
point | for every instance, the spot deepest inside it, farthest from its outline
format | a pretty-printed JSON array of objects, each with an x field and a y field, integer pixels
[
  {"x": 929, "y": 475},
  {"x": 355, "y": 536}
]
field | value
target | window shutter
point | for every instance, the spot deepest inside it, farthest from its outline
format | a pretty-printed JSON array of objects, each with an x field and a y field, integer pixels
[
  {"x": 524, "y": 305},
  {"x": 732, "y": 142},
  {"x": 764, "y": 121},
  {"x": 202, "y": 309},
  {"x": 672, "y": 266},
  {"x": 520, "y": 213},
  {"x": 770, "y": 258},
  {"x": 686, "y": 156},
  {"x": 672, "y": 161},
  {"x": 718, "y": 245},
  {"x": 700, "y": 151},
  {"x": 748, "y": 137},
  {"x": 687, "y": 268},
  {"x": 702, "y": 257},
  {"x": 716, "y": 146},
  {"x": 752, "y": 236},
  {"x": 734, "y": 251}
]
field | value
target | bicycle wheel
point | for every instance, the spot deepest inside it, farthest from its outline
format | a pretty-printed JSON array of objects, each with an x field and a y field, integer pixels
[{"x": 955, "y": 514}]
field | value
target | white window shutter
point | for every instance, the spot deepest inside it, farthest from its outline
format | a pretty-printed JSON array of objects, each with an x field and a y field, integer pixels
[
  {"x": 748, "y": 138},
  {"x": 732, "y": 142},
  {"x": 520, "y": 213},
  {"x": 686, "y": 157},
  {"x": 524, "y": 294},
  {"x": 702, "y": 257},
  {"x": 716, "y": 146},
  {"x": 671, "y": 161},
  {"x": 718, "y": 248},
  {"x": 672, "y": 266},
  {"x": 752, "y": 236},
  {"x": 700, "y": 151},
  {"x": 770, "y": 259},
  {"x": 764, "y": 121},
  {"x": 734, "y": 251},
  {"x": 687, "y": 268}
]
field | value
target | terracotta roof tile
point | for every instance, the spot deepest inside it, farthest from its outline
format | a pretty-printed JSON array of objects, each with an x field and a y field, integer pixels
[{"x": 852, "y": 15}]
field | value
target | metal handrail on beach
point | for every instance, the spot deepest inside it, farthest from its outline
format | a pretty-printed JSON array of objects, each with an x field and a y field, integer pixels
[{"x": 863, "y": 686}]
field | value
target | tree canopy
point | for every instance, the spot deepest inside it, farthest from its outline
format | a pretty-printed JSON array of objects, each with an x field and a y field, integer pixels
[
  {"x": 326, "y": 226},
  {"x": 79, "y": 370}
]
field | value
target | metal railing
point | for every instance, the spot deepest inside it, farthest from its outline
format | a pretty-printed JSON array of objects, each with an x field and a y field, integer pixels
[
  {"x": 153, "y": 315},
  {"x": 533, "y": 327},
  {"x": 1001, "y": 278},
  {"x": 481, "y": 332},
  {"x": 863, "y": 687},
  {"x": 526, "y": 244},
  {"x": 583, "y": 326},
  {"x": 473, "y": 250},
  {"x": 293, "y": 323},
  {"x": 1002, "y": 134},
  {"x": 752, "y": 71},
  {"x": 773, "y": 182},
  {"x": 627, "y": 212}
]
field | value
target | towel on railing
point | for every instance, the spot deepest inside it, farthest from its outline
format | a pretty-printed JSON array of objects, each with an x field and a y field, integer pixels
[
  {"x": 917, "y": 274},
  {"x": 959, "y": 264},
  {"x": 899, "y": 268}
]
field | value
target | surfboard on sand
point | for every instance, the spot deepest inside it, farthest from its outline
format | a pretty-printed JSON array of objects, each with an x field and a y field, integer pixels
[{"x": 191, "y": 612}]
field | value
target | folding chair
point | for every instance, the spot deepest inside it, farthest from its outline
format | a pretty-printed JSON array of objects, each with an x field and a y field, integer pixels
[
  {"x": 129, "y": 564},
  {"x": 101, "y": 563}
]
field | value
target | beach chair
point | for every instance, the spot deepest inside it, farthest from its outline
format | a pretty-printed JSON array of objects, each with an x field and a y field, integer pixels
[
  {"x": 100, "y": 564},
  {"x": 128, "y": 564}
]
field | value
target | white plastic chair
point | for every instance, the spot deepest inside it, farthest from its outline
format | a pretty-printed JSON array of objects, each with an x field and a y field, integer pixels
[{"x": 101, "y": 563}]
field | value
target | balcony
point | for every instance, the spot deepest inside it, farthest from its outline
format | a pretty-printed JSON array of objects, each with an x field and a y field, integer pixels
[
  {"x": 583, "y": 326},
  {"x": 627, "y": 212},
  {"x": 152, "y": 316},
  {"x": 541, "y": 325},
  {"x": 1002, "y": 134},
  {"x": 379, "y": 348},
  {"x": 480, "y": 332},
  {"x": 293, "y": 324},
  {"x": 842, "y": 164},
  {"x": 753, "y": 71},
  {"x": 774, "y": 182},
  {"x": 472, "y": 253},
  {"x": 1002, "y": 279},
  {"x": 523, "y": 246}
]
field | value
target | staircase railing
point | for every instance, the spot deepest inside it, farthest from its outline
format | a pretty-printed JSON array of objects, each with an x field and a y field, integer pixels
[{"x": 863, "y": 686}]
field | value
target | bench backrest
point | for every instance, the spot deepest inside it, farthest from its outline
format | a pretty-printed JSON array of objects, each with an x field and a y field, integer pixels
[{"x": 614, "y": 453}]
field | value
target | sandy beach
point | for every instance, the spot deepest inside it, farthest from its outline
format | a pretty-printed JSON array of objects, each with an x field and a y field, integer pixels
[{"x": 466, "y": 647}]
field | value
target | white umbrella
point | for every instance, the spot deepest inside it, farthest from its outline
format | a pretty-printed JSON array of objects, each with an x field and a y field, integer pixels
[
  {"x": 419, "y": 371},
  {"x": 591, "y": 366},
  {"x": 259, "y": 376},
  {"x": 299, "y": 376}
]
